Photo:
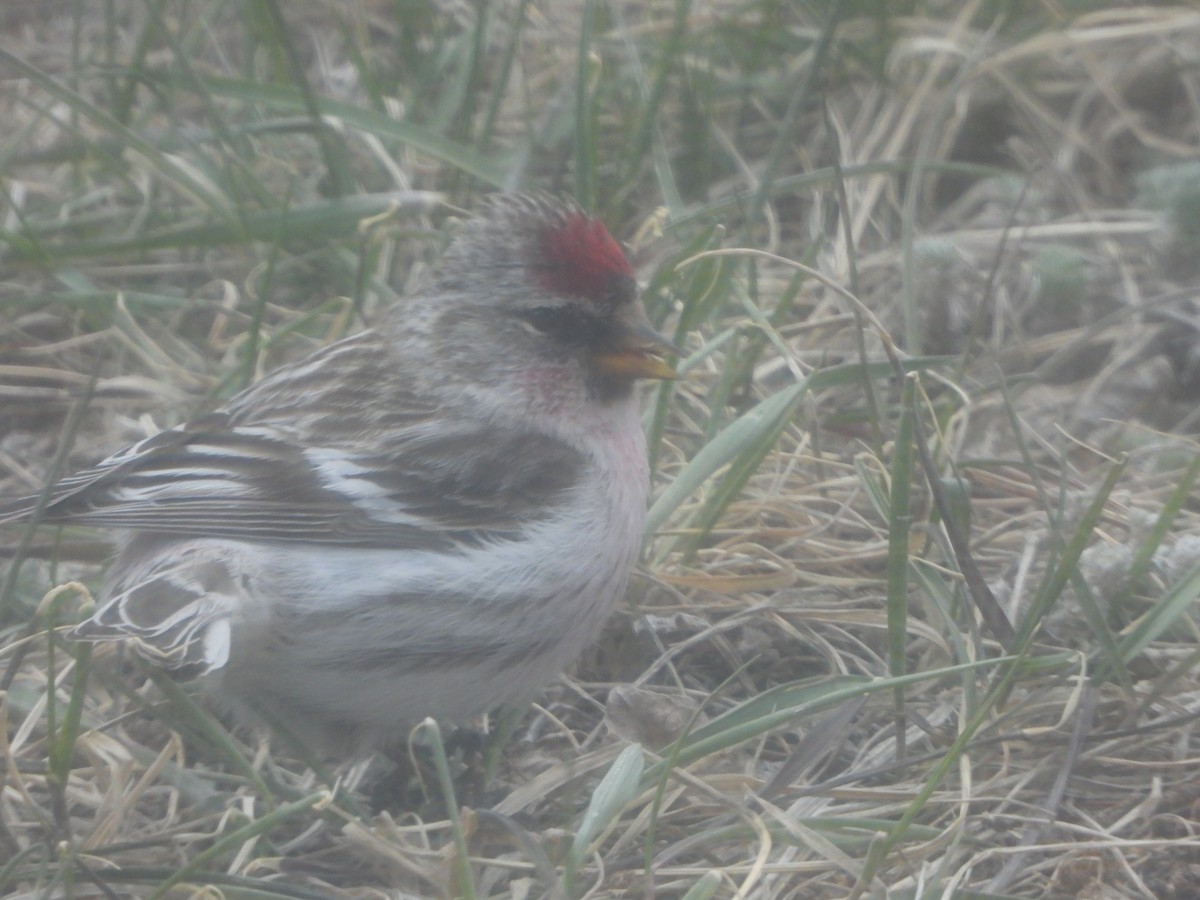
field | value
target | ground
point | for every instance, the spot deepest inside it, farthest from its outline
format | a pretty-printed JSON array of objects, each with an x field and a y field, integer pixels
[{"x": 927, "y": 635}]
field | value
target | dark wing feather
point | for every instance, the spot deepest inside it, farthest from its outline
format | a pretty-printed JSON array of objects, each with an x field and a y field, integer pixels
[
  {"x": 68, "y": 493},
  {"x": 269, "y": 469},
  {"x": 250, "y": 484}
]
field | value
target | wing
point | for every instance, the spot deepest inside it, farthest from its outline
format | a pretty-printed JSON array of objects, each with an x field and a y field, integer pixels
[
  {"x": 427, "y": 489},
  {"x": 312, "y": 466}
]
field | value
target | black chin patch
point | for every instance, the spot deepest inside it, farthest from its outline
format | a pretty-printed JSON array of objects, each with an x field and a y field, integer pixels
[{"x": 609, "y": 388}]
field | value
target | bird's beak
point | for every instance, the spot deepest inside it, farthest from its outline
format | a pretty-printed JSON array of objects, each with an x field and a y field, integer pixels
[{"x": 639, "y": 353}]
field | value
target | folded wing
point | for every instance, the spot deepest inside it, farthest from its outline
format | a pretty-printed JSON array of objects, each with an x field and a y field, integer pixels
[{"x": 434, "y": 485}]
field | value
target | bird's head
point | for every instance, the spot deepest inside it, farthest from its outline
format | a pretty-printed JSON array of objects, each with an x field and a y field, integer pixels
[{"x": 535, "y": 285}]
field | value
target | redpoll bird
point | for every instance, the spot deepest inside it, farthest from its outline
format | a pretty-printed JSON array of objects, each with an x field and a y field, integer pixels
[{"x": 430, "y": 518}]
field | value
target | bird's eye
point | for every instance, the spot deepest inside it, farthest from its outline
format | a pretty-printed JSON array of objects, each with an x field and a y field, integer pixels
[{"x": 561, "y": 323}]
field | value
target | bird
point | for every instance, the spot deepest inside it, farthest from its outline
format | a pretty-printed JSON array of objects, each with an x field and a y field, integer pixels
[{"x": 432, "y": 517}]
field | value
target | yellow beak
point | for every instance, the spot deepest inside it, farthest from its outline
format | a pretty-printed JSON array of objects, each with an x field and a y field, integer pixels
[{"x": 639, "y": 354}]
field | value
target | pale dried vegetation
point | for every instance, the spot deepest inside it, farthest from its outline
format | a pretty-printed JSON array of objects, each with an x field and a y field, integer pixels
[{"x": 1013, "y": 191}]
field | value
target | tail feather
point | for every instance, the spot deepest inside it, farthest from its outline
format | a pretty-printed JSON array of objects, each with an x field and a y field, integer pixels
[
  {"x": 15, "y": 511},
  {"x": 177, "y": 618}
]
